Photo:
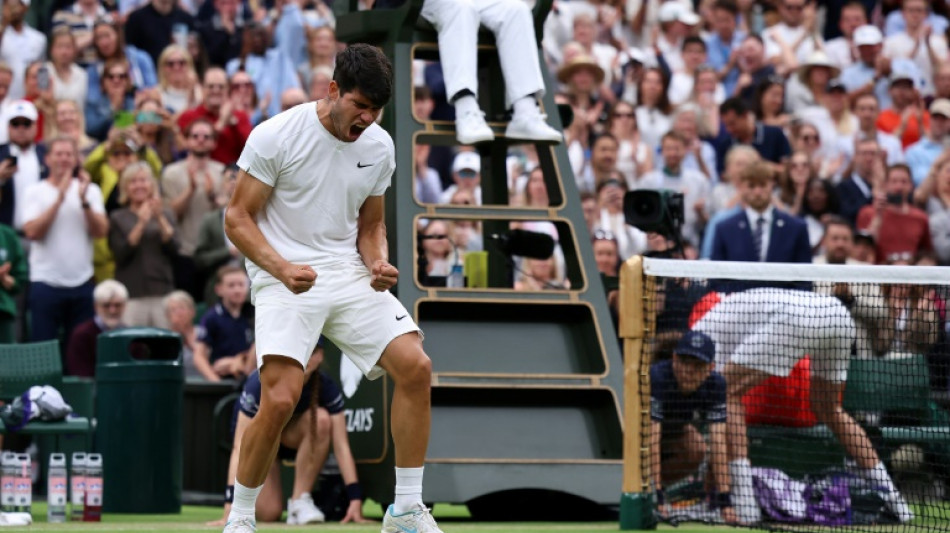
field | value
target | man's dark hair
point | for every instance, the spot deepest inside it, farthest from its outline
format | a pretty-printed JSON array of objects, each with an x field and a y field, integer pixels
[
  {"x": 364, "y": 67},
  {"x": 734, "y": 104},
  {"x": 728, "y": 6},
  {"x": 755, "y": 37},
  {"x": 838, "y": 220},
  {"x": 856, "y": 5},
  {"x": 693, "y": 39},
  {"x": 203, "y": 121},
  {"x": 604, "y": 136}
]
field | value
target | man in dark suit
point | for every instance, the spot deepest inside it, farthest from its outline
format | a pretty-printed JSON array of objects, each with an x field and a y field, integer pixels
[
  {"x": 22, "y": 162},
  {"x": 854, "y": 192},
  {"x": 760, "y": 232}
]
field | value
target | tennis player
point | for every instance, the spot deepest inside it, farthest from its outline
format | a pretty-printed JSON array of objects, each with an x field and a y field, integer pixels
[
  {"x": 307, "y": 212},
  {"x": 763, "y": 332}
]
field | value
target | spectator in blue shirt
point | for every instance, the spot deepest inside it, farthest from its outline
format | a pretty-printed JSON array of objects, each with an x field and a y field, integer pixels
[
  {"x": 684, "y": 391},
  {"x": 922, "y": 154},
  {"x": 723, "y": 43},
  {"x": 225, "y": 336},
  {"x": 869, "y": 74}
]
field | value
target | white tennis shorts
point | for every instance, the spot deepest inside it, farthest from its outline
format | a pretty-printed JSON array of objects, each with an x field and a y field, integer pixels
[
  {"x": 770, "y": 329},
  {"x": 342, "y": 306}
]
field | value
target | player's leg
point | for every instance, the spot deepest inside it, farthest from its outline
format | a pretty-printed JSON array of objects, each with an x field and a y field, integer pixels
[
  {"x": 739, "y": 380},
  {"x": 270, "y": 503},
  {"x": 309, "y": 434},
  {"x": 281, "y": 383}
]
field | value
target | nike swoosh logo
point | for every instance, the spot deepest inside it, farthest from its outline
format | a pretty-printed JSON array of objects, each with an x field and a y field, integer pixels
[
  {"x": 361, "y": 165},
  {"x": 401, "y": 317}
]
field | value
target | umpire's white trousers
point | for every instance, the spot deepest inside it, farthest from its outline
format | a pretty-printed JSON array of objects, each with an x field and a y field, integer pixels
[{"x": 457, "y": 22}]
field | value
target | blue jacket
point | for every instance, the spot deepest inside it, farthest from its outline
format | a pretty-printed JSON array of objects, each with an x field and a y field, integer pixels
[
  {"x": 7, "y": 192},
  {"x": 788, "y": 243}
]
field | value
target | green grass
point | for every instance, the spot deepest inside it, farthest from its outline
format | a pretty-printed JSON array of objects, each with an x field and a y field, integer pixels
[{"x": 454, "y": 519}]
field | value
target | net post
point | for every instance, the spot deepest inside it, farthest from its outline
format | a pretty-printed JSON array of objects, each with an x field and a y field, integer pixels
[{"x": 636, "y": 501}]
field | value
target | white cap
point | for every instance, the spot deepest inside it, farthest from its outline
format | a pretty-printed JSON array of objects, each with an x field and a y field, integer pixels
[
  {"x": 22, "y": 108},
  {"x": 467, "y": 160},
  {"x": 676, "y": 11},
  {"x": 940, "y": 106},
  {"x": 868, "y": 35}
]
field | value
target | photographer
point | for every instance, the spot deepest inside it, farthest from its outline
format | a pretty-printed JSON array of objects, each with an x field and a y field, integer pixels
[{"x": 896, "y": 226}]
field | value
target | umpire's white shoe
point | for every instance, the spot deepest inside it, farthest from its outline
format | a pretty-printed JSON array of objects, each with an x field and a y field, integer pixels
[
  {"x": 471, "y": 128},
  {"x": 898, "y": 505},
  {"x": 303, "y": 511},
  {"x": 532, "y": 127},
  {"x": 241, "y": 524},
  {"x": 418, "y": 520}
]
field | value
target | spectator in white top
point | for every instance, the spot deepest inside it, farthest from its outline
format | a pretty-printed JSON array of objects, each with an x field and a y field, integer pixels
[
  {"x": 700, "y": 155},
  {"x": 510, "y": 20},
  {"x": 585, "y": 34},
  {"x": 467, "y": 175},
  {"x": 809, "y": 86},
  {"x": 794, "y": 39},
  {"x": 681, "y": 83},
  {"x": 20, "y": 44},
  {"x": 842, "y": 50},
  {"x": 64, "y": 214},
  {"x": 69, "y": 81},
  {"x": 692, "y": 183},
  {"x": 869, "y": 73},
  {"x": 918, "y": 42},
  {"x": 676, "y": 23}
]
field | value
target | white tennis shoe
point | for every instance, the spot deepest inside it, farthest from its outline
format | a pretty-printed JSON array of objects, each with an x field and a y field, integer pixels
[
  {"x": 243, "y": 524},
  {"x": 416, "y": 521},
  {"x": 303, "y": 511}
]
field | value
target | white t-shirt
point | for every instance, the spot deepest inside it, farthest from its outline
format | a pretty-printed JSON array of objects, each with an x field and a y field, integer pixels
[
  {"x": 75, "y": 89},
  {"x": 902, "y": 45},
  {"x": 64, "y": 257},
  {"x": 19, "y": 50},
  {"x": 320, "y": 183}
]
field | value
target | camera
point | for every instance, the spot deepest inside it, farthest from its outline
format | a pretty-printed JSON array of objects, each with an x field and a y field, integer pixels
[{"x": 659, "y": 211}]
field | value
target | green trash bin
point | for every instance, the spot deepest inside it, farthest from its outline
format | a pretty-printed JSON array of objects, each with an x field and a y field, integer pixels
[{"x": 139, "y": 389}]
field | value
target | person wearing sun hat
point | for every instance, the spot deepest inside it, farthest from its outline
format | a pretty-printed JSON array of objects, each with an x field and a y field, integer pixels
[{"x": 808, "y": 85}]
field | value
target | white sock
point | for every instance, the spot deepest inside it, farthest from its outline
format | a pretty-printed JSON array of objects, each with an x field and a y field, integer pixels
[
  {"x": 408, "y": 490},
  {"x": 244, "y": 501},
  {"x": 879, "y": 475},
  {"x": 467, "y": 104},
  {"x": 743, "y": 494},
  {"x": 526, "y": 107}
]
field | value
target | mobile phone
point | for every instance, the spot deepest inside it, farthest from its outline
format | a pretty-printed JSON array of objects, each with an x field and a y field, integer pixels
[
  {"x": 42, "y": 78},
  {"x": 895, "y": 199},
  {"x": 180, "y": 35},
  {"x": 12, "y": 159},
  {"x": 123, "y": 119}
]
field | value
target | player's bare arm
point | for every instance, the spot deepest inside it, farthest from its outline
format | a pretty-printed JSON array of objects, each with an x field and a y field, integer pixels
[
  {"x": 720, "y": 467},
  {"x": 372, "y": 244},
  {"x": 240, "y": 225}
]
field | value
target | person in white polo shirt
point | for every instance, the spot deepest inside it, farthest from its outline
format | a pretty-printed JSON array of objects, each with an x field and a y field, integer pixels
[
  {"x": 20, "y": 44},
  {"x": 63, "y": 214}
]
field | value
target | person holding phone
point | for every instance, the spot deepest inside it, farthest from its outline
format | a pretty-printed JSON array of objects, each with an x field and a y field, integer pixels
[{"x": 896, "y": 226}]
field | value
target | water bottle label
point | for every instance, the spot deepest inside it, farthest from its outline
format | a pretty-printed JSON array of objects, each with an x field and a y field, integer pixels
[
  {"x": 79, "y": 489},
  {"x": 7, "y": 485},
  {"x": 94, "y": 492},
  {"x": 57, "y": 490},
  {"x": 24, "y": 491}
]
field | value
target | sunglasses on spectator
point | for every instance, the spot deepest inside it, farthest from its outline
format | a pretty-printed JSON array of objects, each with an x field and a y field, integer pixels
[
  {"x": 604, "y": 235},
  {"x": 121, "y": 153},
  {"x": 241, "y": 85},
  {"x": 624, "y": 115},
  {"x": 175, "y": 63},
  {"x": 467, "y": 173},
  {"x": 21, "y": 123},
  {"x": 810, "y": 138},
  {"x": 117, "y": 75}
]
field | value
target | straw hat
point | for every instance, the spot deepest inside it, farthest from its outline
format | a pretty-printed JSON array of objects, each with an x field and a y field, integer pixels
[
  {"x": 580, "y": 62},
  {"x": 816, "y": 59}
]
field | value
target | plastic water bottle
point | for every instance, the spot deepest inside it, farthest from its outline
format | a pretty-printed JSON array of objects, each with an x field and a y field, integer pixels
[
  {"x": 7, "y": 482},
  {"x": 56, "y": 488},
  {"x": 77, "y": 485},
  {"x": 92, "y": 511},
  {"x": 456, "y": 278},
  {"x": 24, "y": 483}
]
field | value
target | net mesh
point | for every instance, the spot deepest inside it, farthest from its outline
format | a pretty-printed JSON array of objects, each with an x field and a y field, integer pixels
[{"x": 825, "y": 403}]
